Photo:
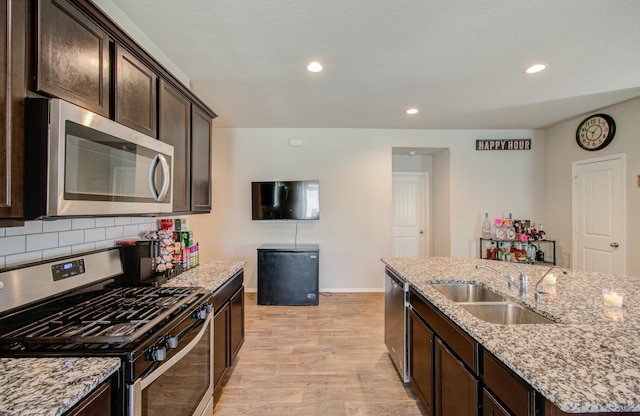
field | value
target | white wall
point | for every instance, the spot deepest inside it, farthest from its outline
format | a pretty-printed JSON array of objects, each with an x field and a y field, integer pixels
[
  {"x": 354, "y": 167},
  {"x": 562, "y": 150}
]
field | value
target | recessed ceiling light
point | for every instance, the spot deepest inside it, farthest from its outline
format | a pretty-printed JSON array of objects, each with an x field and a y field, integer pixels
[
  {"x": 535, "y": 68},
  {"x": 314, "y": 67},
  {"x": 412, "y": 111}
]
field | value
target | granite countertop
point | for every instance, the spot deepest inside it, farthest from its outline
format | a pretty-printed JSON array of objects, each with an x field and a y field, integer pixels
[
  {"x": 585, "y": 362},
  {"x": 49, "y": 386},
  {"x": 210, "y": 275}
]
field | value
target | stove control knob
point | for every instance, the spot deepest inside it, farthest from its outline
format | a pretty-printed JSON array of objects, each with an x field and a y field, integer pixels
[
  {"x": 172, "y": 342},
  {"x": 159, "y": 354},
  {"x": 201, "y": 312}
]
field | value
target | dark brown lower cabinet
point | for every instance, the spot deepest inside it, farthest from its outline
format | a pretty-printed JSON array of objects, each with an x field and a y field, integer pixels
[
  {"x": 421, "y": 360},
  {"x": 491, "y": 407},
  {"x": 237, "y": 322},
  {"x": 455, "y": 387},
  {"x": 518, "y": 396},
  {"x": 220, "y": 344},
  {"x": 228, "y": 327},
  {"x": 98, "y": 403}
]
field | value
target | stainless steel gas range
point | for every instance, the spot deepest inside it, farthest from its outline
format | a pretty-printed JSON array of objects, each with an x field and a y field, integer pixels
[{"x": 70, "y": 307}]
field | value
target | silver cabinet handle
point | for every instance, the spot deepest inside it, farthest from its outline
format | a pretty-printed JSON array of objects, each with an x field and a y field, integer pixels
[{"x": 614, "y": 245}]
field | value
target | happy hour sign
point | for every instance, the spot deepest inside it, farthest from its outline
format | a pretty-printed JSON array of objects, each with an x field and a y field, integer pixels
[{"x": 503, "y": 144}]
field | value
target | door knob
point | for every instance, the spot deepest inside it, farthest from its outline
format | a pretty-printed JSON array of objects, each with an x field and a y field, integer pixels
[
  {"x": 614, "y": 245},
  {"x": 421, "y": 232}
]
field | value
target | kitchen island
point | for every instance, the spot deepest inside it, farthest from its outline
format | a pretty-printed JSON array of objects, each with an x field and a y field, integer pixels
[{"x": 585, "y": 362}]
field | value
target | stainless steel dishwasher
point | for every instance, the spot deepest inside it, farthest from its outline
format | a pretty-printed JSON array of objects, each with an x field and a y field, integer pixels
[{"x": 396, "y": 293}]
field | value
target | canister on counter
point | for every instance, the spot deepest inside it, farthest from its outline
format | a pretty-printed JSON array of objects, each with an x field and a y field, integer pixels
[{"x": 180, "y": 224}]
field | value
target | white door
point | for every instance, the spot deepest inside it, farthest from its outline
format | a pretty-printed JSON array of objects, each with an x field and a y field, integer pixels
[
  {"x": 410, "y": 202},
  {"x": 599, "y": 215}
]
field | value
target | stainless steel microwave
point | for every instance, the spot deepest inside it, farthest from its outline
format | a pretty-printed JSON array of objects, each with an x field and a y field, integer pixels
[{"x": 78, "y": 163}]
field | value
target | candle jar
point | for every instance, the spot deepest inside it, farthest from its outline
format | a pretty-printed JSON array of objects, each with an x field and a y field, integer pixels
[{"x": 612, "y": 298}]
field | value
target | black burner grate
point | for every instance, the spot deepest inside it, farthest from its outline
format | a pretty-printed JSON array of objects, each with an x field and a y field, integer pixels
[{"x": 119, "y": 316}]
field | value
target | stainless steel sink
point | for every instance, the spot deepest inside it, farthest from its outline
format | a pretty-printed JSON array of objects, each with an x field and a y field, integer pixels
[
  {"x": 468, "y": 292},
  {"x": 504, "y": 313}
]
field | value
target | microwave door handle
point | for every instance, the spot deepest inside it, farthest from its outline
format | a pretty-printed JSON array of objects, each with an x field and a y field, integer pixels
[{"x": 159, "y": 159}]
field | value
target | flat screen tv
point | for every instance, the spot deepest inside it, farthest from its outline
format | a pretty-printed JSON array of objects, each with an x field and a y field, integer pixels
[{"x": 285, "y": 200}]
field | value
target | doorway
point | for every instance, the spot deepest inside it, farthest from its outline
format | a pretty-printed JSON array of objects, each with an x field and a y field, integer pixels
[
  {"x": 410, "y": 213},
  {"x": 599, "y": 215}
]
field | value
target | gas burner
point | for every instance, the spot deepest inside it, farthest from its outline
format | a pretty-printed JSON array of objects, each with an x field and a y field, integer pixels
[
  {"x": 166, "y": 301},
  {"x": 73, "y": 331},
  {"x": 119, "y": 330}
]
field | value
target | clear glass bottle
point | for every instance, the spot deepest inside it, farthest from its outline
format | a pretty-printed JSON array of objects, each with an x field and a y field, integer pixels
[
  {"x": 510, "y": 231},
  {"x": 486, "y": 226},
  {"x": 499, "y": 234}
]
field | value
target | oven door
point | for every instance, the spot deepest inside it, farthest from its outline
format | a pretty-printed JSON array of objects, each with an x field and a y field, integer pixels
[{"x": 181, "y": 385}]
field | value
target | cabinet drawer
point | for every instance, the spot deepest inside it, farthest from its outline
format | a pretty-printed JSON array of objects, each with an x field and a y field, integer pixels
[
  {"x": 224, "y": 293},
  {"x": 514, "y": 392},
  {"x": 463, "y": 345}
]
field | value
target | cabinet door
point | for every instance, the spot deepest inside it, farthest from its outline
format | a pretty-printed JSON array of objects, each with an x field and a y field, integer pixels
[
  {"x": 12, "y": 82},
  {"x": 421, "y": 360},
  {"x": 200, "y": 160},
  {"x": 73, "y": 57},
  {"x": 136, "y": 93},
  {"x": 455, "y": 387},
  {"x": 518, "y": 396},
  {"x": 221, "y": 355},
  {"x": 98, "y": 403},
  {"x": 175, "y": 129},
  {"x": 237, "y": 322},
  {"x": 491, "y": 407}
]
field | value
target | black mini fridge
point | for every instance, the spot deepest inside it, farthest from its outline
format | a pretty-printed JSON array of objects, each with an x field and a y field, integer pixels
[{"x": 288, "y": 274}]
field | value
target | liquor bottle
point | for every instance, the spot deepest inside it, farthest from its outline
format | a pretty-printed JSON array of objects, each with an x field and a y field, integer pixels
[
  {"x": 510, "y": 231},
  {"x": 499, "y": 229},
  {"x": 541, "y": 234},
  {"x": 486, "y": 226}
]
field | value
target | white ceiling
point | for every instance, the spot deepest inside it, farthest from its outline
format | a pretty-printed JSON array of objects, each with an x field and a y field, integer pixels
[{"x": 460, "y": 62}]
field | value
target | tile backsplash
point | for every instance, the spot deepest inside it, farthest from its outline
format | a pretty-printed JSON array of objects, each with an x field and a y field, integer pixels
[{"x": 38, "y": 240}]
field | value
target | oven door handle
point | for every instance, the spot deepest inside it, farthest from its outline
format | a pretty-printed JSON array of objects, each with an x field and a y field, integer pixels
[{"x": 140, "y": 384}]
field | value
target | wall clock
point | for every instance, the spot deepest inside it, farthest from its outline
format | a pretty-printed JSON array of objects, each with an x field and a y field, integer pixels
[{"x": 596, "y": 132}]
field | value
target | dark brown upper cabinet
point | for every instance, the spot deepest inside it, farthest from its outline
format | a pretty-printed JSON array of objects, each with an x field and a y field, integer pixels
[
  {"x": 136, "y": 87},
  {"x": 200, "y": 160},
  {"x": 175, "y": 129},
  {"x": 13, "y": 89},
  {"x": 72, "y": 57}
]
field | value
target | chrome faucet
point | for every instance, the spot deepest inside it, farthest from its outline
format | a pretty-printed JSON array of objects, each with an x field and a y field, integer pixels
[
  {"x": 509, "y": 277},
  {"x": 539, "y": 293},
  {"x": 524, "y": 281}
]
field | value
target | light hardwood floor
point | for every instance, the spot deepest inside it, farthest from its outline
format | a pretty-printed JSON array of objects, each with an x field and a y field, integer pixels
[{"x": 316, "y": 360}]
